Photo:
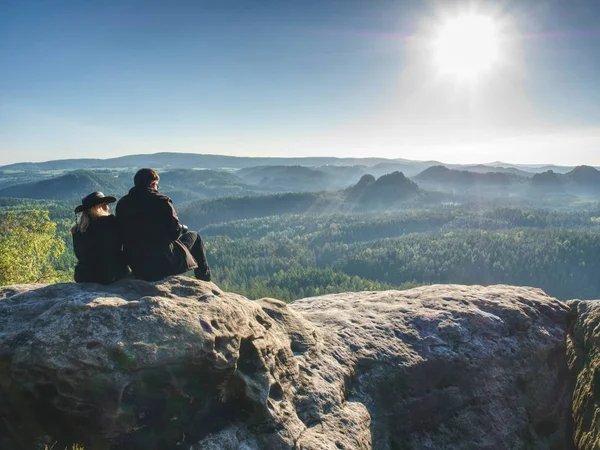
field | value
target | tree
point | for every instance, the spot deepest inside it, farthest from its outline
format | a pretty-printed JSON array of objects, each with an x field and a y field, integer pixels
[{"x": 28, "y": 246}]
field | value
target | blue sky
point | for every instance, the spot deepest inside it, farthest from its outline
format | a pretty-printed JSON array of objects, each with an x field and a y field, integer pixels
[{"x": 292, "y": 78}]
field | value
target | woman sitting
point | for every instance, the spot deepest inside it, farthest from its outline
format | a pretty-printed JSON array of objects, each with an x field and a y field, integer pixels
[{"x": 97, "y": 243}]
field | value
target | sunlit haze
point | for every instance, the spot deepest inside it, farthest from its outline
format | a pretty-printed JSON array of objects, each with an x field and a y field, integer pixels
[
  {"x": 467, "y": 46},
  {"x": 457, "y": 82}
]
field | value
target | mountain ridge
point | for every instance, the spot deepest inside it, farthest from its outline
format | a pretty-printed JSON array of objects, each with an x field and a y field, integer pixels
[{"x": 212, "y": 161}]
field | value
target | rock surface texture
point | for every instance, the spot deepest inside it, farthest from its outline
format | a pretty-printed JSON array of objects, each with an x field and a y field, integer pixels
[
  {"x": 181, "y": 364},
  {"x": 451, "y": 367},
  {"x": 584, "y": 361}
]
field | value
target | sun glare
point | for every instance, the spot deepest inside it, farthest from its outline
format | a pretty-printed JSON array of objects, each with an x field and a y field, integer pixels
[{"x": 467, "y": 47}]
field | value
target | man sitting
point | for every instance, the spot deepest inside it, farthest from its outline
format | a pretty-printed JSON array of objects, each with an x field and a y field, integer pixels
[{"x": 155, "y": 244}]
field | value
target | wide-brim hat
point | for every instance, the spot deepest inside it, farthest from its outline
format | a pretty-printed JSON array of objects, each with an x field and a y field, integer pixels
[{"x": 95, "y": 198}]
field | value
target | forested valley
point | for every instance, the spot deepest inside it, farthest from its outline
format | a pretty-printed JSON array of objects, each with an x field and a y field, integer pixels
[{"x": 377, "y": 233}]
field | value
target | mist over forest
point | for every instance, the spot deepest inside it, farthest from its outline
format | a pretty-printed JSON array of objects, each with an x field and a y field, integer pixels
[{"x": 296, "y": 227}]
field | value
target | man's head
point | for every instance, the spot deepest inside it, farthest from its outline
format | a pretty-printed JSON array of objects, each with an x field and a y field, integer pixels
[{"x": 146, "y": 178}]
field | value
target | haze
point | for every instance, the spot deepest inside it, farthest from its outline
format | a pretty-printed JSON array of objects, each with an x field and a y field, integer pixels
[{"x": 306, "y": 78}]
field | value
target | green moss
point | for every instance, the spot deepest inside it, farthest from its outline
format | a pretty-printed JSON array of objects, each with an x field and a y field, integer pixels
[{"x": 123, "y": 359}]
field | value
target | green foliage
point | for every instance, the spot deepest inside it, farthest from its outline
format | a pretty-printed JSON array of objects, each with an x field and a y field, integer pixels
[
  {"x": 276, "y": 256},
  {"x": 564, "y": 263},
  {"x": 298, "y": 283},
  {"x": 278, "y": 268},
  {"x": 73, "y": 447},
  {"x": 290, "y": 256},
  {"x": 28, "y": 248}
]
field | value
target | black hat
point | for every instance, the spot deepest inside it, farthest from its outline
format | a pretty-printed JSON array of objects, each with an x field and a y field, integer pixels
[{"x": 95, "y": 198}]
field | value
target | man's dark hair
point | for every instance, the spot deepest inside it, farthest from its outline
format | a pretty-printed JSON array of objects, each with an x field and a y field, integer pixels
[{"x": 145, "y": 177}]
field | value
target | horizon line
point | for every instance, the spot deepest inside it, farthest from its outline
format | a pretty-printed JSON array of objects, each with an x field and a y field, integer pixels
[{"x": 490, "y": 163}]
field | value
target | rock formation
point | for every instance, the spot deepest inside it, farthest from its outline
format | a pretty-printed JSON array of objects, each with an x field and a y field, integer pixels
[
  {"x": 452, "y": 367},
  {"x": 584, "y": 360},
  {"x": 181, "y": 364}
]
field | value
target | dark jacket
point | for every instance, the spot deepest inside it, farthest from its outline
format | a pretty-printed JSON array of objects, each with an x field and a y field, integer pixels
[
  {"x": 98, "y": 252},
  {"x": 150, "y": 230}
]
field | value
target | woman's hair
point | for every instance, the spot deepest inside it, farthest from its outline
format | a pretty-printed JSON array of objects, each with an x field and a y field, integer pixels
[{"x": 87, "y": 216}]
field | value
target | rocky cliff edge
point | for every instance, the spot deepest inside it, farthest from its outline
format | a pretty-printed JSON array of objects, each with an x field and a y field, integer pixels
[{"x": 181, "y": 364}]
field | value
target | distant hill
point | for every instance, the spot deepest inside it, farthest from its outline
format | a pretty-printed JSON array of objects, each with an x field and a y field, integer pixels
[
  {"x": 191, "y": 178},
  {"x": 584, "y": 175},
  {"x": 344, "y": 176},
  {"x": 200, "y": 214},
  {"x": 13, "y": 177},
  {"x": 535, "y": 168},
  {"x": 288, "y": 178},
  {"x": 173, "y": 160},
  {"x": 583, "y": 181},
  {"x": 73, "y": 185},
  {"x": 365, "y": 182},
  {"x": 548, "y": 181},
  {"x": 182, "y": 185},
  {"x": 167, "y": 160},
  {"x": 482, "y": 168},
  {"x": 387, "y": 189},
  {"x": 409, "y": 168},
  {"x": 369, "y": 193},
  {"x": 190, "y": 185},
  {"x": 546, "y": 167},
  {"x": 186, "y": 185},
  {"x": 462, "y": 179},
  {"x": 580, "y": 181}
]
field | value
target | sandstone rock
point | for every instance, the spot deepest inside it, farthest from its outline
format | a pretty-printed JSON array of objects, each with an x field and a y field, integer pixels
[
  {"x": 583, "y": 343},
  {"x": 450, "y": 367},
  {"x": 181, "y": 364},
  {"x": 143, "y": 365}
]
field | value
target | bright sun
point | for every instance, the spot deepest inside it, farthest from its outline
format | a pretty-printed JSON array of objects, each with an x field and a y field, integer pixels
[{"x": 467, "y": 46}]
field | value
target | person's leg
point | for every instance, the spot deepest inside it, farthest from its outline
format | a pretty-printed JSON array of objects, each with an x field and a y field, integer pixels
[{"x": 194, "y": 243}]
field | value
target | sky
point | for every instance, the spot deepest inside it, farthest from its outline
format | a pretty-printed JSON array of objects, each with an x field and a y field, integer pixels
[{"x": 347, "y": 78}]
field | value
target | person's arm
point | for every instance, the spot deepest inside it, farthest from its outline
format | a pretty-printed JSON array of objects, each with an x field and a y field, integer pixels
[{"x": 172, "y": 224}]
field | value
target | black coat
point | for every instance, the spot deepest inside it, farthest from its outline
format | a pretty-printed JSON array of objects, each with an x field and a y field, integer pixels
[
  {"x": 150, "y": 230},
  {"x": 98, "y": 252}
]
